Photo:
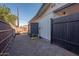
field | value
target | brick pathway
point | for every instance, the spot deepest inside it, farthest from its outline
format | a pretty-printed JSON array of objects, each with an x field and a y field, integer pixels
[{"x": 24, "y": 46}]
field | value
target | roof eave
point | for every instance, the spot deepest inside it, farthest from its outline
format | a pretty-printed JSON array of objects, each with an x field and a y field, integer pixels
[
  {"x": 63, "y": 7},
  {"x": 40, "y": 12}
]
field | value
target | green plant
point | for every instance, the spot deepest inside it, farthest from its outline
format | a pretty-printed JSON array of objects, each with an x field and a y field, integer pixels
[{"x": 5, "y": 14}]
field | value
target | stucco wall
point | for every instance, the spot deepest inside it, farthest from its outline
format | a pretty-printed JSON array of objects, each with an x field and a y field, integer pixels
[{"x": 45, "y": 27}]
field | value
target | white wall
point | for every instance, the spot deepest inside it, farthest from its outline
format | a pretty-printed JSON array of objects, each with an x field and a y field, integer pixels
[
  {"x": 45, "y": 27},
  {"x": 45, "y": 24}
]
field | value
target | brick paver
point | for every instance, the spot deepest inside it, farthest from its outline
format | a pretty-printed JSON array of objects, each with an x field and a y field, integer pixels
[{"x": 24, "y": 46}]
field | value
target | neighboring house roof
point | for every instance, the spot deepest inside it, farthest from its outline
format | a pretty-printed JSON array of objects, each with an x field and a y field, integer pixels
[
  {"x": 63, "y": 7},
  {"x": 40, "y": 12}
]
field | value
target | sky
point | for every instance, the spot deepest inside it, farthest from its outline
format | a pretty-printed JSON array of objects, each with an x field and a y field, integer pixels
[{"x": 26, "y": 11}]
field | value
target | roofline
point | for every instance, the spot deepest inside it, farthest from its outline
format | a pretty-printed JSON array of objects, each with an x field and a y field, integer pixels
[
  {"x": 37, "y": 12},
  {"x": 40, "y": 11},
  {"x": 63, "y": 7}
]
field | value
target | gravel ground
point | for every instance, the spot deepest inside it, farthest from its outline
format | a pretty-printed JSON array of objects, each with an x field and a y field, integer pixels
[{"x": 24, "y": 46}]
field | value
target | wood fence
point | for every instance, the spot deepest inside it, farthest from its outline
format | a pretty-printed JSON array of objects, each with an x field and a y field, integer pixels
[
  {"x": 7, "y": 34},
  {"x": 65, "y": 32}
]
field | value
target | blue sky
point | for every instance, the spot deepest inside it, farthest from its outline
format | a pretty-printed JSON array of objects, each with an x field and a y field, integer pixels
[{"x": 26, "y": 11}]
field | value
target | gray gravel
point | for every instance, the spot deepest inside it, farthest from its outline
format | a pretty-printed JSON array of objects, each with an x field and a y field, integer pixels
[{"x": 24, "y": 46}]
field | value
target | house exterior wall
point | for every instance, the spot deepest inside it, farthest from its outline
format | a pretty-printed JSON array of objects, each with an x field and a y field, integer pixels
[
  {"x": 45, "y": 22},
  {"x": 45, "y": 27}
]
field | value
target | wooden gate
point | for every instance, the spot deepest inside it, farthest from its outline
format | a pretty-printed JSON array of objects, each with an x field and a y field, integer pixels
[
  {"x": 34, "y": 29},
  {"x": 66, "y": 32},
  {"x": 6, "y": 35}
]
